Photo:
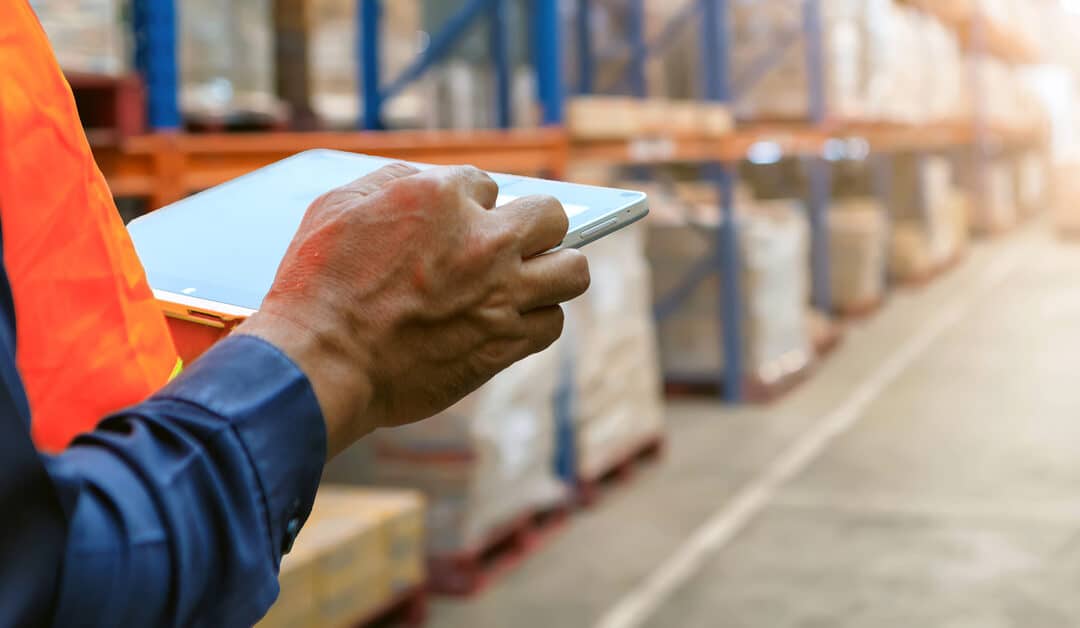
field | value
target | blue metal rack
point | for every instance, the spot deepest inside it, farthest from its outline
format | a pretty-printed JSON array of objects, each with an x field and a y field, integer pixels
[
  {"x": 545, "y": 49},
  {"x": 717, "y": 86},
  {"x": 156, "y": 28}
]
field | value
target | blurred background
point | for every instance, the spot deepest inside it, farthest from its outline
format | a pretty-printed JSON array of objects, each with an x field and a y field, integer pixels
[{"x": 830, "y": 381}]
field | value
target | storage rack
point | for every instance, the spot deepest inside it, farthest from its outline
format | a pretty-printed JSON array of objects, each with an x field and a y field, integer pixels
[
  {"x": 167, "y": 163},
  {"x": 807, "y": 140}
]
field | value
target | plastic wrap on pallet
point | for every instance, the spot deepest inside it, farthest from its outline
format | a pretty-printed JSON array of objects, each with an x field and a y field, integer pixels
[
  {"x": 858, "y": 250},
  {"x": 773, "y": 250},
  {"x": 882, "y": 62},
  {"x": 612, "y": 343},
  {"x": 482, "y": 463},
  {"x": 227, "y": 60},
  {"x": 89, "y": 36}
]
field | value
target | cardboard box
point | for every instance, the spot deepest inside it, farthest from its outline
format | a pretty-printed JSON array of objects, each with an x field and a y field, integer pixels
[
  {"x": 296, "y": 604},
  {"x": 400, "y": 517}
]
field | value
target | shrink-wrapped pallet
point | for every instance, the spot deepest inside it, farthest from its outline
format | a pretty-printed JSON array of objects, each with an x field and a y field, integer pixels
[
  {"x": 88, "y": 36},
  {"x": 857, "y": 253},
  {"x": 773, "y": 250},
  {"x": 482, "y": 463},
  {"x": 616, "y": 395},
  {"x": 227, "y": 60}
]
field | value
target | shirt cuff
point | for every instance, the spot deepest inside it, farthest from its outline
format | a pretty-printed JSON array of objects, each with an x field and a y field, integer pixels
[{"x": 270, "y": 403}]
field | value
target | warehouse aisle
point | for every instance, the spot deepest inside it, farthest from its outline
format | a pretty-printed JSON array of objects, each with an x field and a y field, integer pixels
[{"x": 953, "y": 500}]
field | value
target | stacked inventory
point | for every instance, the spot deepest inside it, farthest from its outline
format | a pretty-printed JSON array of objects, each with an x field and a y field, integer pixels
[
  {"x": 483, "y": 463},
  {"x": 772, "y": 255},
  {"x": 932, "y": 216},
  {"x": 89, "y": 36},
  {"x": 359, "y": 552},
  {"x": 610, "y": 340},
  {"x": 858, "y": 242}
]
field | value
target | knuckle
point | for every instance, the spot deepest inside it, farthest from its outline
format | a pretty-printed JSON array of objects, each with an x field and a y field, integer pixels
[
  {"x": 397, "y": 169},
  {"x": 421, "y": 188}
]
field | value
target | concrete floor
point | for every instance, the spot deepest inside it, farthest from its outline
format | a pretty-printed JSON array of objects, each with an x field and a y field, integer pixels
[{"x": 952, "y": 501}]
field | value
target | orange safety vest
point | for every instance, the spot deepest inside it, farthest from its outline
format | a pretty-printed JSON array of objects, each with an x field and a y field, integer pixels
[{"x": 91, "y": 339}]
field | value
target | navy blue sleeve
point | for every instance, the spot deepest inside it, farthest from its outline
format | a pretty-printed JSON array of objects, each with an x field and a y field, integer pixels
[{"x": 177, "y": 511}]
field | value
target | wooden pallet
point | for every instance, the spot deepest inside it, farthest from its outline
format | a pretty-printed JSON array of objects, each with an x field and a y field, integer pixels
[
  {"x": 112, "y": 109},
  {"x": 407, "y": 609},
  {"x": 469, "y": 572},
  {"x": 756, "y": 390},
  {"x": 928, "y": 276},
  {"x": 860, "y": 310},
  {"x": 589, "y": 490}
]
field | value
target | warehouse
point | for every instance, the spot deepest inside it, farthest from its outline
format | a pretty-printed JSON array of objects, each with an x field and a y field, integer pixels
[{"x": 826, "y": 381}]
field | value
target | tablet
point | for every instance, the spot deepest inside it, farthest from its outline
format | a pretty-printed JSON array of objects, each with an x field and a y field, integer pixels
[{"x": 212, "y": 257}]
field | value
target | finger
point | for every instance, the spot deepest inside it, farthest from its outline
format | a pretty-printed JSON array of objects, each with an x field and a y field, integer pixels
[
  {"x": 551, "y": 279},
  {"x": 542, "y": 328},
  {"x": 539, "y": 221},
  {"x": 475, "y": 183},
  {"x": 374, "y": 181}
]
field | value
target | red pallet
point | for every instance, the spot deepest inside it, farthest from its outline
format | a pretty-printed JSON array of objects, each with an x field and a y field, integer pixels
[
  {"x": 407, "y": 609},
  {"x": 862, "y": 310},
  {"x": 754, "y": 389},
  {"x": 471, "y": 571},
  {"x": 112, "y": 108},
  {"x": 926, "y": 277},
  {"x": 757, "y": 391},
  {"x": 589, "y": 490}
]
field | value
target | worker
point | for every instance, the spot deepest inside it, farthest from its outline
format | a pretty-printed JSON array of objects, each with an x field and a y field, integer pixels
[{"x": 400, "y": 293}]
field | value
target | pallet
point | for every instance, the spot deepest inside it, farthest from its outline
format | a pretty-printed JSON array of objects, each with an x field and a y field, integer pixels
[
  {"x": 757, "y": 391},
  {"x": 930, "y": 275},
  {"x": 754, "y": 389},
  {"x": 407, "y": 609},
  {"x": 827, "y": 342},
  {"x": 471, "y": 571},
  {"x": 239, "y": 122},
  {"x": 589, "y": 490},
  {"x": 112, "y": 108}
]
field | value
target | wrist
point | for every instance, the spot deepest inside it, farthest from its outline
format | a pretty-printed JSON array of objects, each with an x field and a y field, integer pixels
[{"x": 342, "y": 382}]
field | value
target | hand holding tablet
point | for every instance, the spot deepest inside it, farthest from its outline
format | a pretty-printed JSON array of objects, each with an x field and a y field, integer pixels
[{"x": 397, "y": 292}]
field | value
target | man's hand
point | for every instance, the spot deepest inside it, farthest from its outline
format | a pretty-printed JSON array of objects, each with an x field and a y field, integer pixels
[{"x": 404, "y": 291}]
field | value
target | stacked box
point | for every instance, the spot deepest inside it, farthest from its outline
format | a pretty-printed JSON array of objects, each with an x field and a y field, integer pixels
[
  {"x": 482, "y": 463},
  {"x": 88, "y": 36},
  {"x": 332, "y": 45},
  {"x": 610, "y": 342},
  {"x": 227, "y": 60},
  {"x": 400, "y": 518},
  {"x": 883, "y": 62},
  {"x": 857, "y": 253},
  {"x": 297, "y": 603},
  {"x": 358, "y": 549},
  {"x": 622, "y": 117},
  {"x": 773, "y": 253}
]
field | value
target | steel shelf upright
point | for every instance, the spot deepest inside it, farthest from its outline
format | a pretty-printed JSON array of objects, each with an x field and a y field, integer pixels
[
  {"x": 156, "y": 42},
  {"x": 545, "y": 52}
]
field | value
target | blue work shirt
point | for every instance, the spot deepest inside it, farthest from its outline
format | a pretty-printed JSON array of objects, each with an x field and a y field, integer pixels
[{"x": 174, "y": 512}]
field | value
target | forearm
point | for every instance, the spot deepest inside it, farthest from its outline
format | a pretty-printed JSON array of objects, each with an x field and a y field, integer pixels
[{"x": 180, "y": 508}]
